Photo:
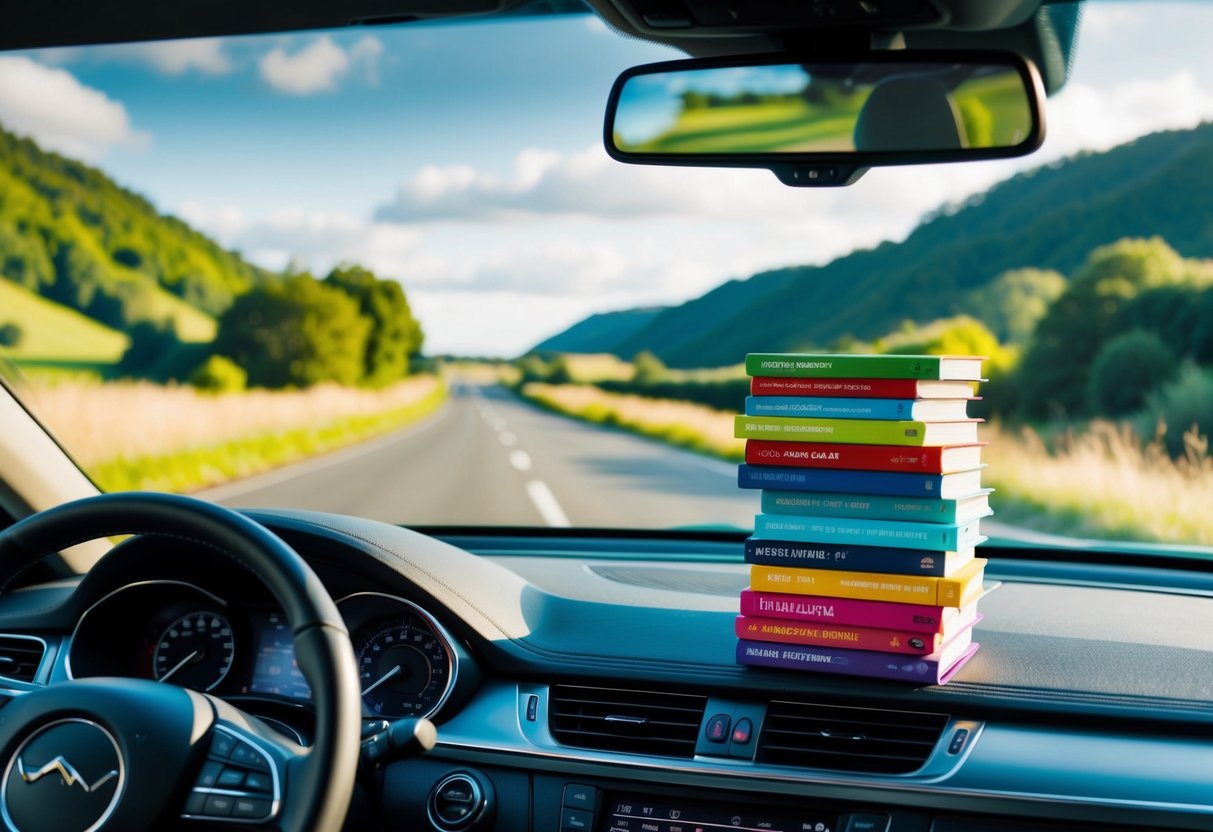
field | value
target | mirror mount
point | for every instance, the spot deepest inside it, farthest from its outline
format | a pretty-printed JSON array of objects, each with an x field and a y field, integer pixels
[{"x": 818, "y": 176}]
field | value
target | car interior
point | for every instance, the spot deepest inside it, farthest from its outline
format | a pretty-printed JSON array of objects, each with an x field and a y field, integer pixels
[{"x": 568, "y": 679}]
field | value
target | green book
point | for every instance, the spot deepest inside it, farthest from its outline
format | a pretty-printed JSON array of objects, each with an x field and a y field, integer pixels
[
  {"x": 855, "y": 431},
  {"x": 809, "y": 365}
]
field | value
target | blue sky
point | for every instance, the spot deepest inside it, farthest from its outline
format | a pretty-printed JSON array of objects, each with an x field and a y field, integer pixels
[{"x": 466, "y": 160}]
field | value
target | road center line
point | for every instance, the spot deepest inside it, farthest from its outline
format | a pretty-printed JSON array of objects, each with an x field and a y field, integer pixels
[
  {"x": 546, "y": 505},
  {"x": 520, "y": 460},
  {"x": 507, "y": 438}
]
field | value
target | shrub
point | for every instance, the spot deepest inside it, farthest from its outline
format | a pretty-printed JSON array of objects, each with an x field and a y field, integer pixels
[
  {"x": 1179, "y": 406},
  {"x": 1126, "y": 370},
  {"x": 219, "y": 374},
  {"x": 11, "y": 335}
]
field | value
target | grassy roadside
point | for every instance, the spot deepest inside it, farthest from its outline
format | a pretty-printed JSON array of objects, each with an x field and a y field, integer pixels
[
  {"x": 196, "y": 466},
  {"x": 687, "y": 425},
  {"x": 1101, "y": 483}
]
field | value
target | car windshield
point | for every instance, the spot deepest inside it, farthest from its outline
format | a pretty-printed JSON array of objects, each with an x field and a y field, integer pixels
[{"x": 390, "y": 271}]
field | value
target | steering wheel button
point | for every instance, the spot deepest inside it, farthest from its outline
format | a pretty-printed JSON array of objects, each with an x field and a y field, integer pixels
[
  {"x": 250, "y": 807},
  {"x": 244, "y": 755},
  {"x": 255, "y": 781},
  {"x": 230, "y": 778},
  {"x": 210, "y": 774},
  {"x": 222, "y": 745},
  {"x": 193, "y": 806},
  {"x": 218, "y": 805}
]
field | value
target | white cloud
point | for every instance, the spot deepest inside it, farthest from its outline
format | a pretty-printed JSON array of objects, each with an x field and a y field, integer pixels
[
  {"x": 176, "y": 57},
  {"x": 51, "y": 106},
  {"x": 1082, "y": 117},
  {"x": 319, "y": 66}
]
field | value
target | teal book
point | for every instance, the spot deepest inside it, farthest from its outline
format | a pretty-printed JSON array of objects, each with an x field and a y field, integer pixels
[
  {"x": 856, "y": 431},
  {"x": 827, "y": 365},
  {"x": 942, "y": 537},
  {"x": 879, "y": 507}
]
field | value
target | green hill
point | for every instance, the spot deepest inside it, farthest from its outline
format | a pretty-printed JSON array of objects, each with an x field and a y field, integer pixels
[
  {"x": 70, "y": 234},
  {"x": 54, "y": 333},
  {"x": 613, "y": 327},
  {"x": 1050, "y": 217}
]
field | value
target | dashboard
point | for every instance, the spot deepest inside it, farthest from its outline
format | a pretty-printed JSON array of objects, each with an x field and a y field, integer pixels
[{"x": 581, "y": 682}]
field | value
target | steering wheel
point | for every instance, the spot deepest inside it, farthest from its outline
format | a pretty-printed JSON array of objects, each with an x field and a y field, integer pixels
[{"x": 133, "y": 754}]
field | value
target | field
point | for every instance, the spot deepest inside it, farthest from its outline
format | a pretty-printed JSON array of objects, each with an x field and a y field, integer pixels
[
  {"x": 1101, "y": 483},
  {"x": 137, "y": 435},
  {"x": 52, "y": 333}
]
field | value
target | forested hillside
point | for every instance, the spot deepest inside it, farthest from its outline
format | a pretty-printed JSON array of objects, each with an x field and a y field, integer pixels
[
  {"x": 1048, "y": 218},
  {"x": 70, "y": 234}
]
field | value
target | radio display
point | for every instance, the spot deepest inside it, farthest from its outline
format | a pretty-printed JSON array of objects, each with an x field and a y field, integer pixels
[{"x": 630, "y": 813}]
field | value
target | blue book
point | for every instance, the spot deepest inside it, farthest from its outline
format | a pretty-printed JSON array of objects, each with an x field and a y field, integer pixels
[
  {"x": 831, "y": 407},
  {"x": 846, "y": 557},
  {"x": 846, "y": 481},
  {"x": 878, "y": 507},
  {"x": 935, "y": 669},
  {"x": 899, "y": 534}
]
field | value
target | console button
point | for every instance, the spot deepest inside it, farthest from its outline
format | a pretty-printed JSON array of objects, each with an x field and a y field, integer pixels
[
  {"x": 718, "y": 728},
  {"x": 575, "y": 820},
  {"x": 243, "y": 754},
  {"x": 580, "y": 797},
  {"x": 194, "y": 804},
  {"x": 867, "y": 822},
  {"x": 742, "y": 731},
  {"x": 958, "y": 740},
  {"x": 532, "y": 707}
]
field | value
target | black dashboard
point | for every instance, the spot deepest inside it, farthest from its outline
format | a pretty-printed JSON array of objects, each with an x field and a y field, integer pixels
[{"x": 587, "y": 682}]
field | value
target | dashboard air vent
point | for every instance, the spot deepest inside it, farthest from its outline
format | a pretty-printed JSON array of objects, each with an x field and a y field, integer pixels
[
  {"x": 632, "y": 721},
  {"x": 20, "y": 657},
  {"x": 848, "y": 739}
]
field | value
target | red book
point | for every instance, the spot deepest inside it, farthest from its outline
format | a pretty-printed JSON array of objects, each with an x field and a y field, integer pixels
[
  {"x": 944, "y": 459},
  {"x": 861, "y": 388}
]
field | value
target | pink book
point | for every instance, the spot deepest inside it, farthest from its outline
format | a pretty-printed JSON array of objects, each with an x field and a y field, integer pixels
[{"x": 875, "y": 614}]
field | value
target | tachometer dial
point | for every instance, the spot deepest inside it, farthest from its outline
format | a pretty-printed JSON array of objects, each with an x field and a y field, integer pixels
[
  {"x": 403, "y": 666},
  {"x": 195, "y": 651}
]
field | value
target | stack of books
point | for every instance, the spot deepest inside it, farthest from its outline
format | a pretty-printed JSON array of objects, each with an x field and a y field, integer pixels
[{"x": 863, "y": 558}]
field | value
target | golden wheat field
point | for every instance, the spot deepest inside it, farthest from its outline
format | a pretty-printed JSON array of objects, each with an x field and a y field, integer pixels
[{"x": 97, "y": 422}]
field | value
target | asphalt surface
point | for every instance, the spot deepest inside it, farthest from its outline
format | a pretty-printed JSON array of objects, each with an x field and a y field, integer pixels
[{"x": 487, "y": 458}]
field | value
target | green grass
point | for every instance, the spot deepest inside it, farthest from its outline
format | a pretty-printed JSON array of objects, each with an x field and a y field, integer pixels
[
  {"x": 53, "y": 334},
  {"x": 193, "y": 325},
  {"x": 772, "y": 127},
  {"x": 196, "y": 468}
]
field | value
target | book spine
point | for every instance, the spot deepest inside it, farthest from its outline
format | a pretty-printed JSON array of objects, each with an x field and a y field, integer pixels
[
  {"x": 893, "y": 484},
  {"x": 899, "y": 534},
  {"x": 867, "y": 506},
  {"x": 829, "y": 408},
  {"x": 844, "y": 431},
  {"x": 832, "y": 660},
  {"x": 844, "y": 557},
  {"x": 913, "y": 617},
  {"x": 928, "y": 460},
  {"x": 865, "y": 586},
  {"x": 842, "y": 366},
  {"x": 829, "y": 635},
  {"x": 859, "y": 388}
]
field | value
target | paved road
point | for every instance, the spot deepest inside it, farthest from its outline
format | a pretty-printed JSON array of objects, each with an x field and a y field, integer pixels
[{"x": 487, "y": 458}]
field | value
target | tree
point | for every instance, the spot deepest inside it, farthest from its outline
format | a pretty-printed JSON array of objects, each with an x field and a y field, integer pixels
[
  {"x": 295, "y": 332},
  {"x": 647, "y": 368},
  {"x": 219, "y": 375},
  {"x": 1053, "y": 374},
  {"x": 1012, "y": 303},
  {"x": 11, "y": 335},
  {"x": 1126, "y": 371},
  {"x": 394, "y": 334}
]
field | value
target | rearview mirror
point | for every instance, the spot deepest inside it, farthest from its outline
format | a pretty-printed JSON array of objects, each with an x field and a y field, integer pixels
[{"x": 825, "y": 122}]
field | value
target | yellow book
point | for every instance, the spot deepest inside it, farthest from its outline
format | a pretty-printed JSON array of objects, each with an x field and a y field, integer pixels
[{"x": 955, "y": 591}]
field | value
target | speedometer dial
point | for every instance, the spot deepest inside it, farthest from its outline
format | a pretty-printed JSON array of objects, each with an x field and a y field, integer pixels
[
  {"x": 195, "y": 651},
  {"x": 404, "y": 667}
]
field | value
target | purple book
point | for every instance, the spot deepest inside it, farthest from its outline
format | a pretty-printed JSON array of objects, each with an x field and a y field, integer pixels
[{"x": 935, "y": 669}]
